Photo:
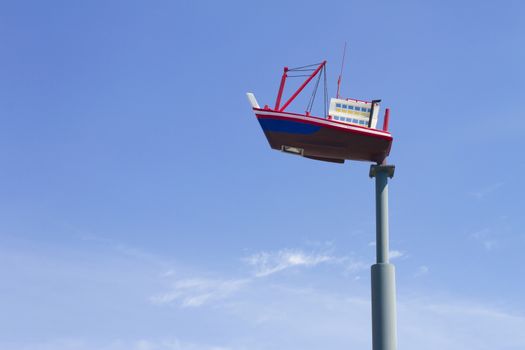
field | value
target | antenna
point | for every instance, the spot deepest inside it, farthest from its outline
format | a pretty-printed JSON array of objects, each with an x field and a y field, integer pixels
[{"x": 341, "y": 72}]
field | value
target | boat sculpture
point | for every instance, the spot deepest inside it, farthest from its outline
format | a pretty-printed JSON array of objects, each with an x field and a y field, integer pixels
[{"x": 347, "y": 132}]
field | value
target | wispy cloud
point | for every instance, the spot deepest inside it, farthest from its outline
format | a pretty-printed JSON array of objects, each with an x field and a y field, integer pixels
[
  {"x": 422, "y": 271},
  {"x": 486, "y": 237},
  {"x": 395, "y": 254},
  {"x": 197, "y": 291},
  {"x": 458, "y": 324},
  {"x": 490, "y": 244},
  {"x": 117, "y": 344},
  {"x": 485, "y": 191},
  {"x": 355, "y": 266},
  {"x": 296, "y": 316},
  {"x": 336, "y": 321},
  {"x": 266, "y": 264}
]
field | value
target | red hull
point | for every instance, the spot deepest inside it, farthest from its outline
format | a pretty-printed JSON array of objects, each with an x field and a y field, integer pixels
[{"x": 324, "y": 139}]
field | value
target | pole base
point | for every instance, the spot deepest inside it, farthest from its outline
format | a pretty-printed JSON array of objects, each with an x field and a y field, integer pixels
[{"x": 384, "y": 307}]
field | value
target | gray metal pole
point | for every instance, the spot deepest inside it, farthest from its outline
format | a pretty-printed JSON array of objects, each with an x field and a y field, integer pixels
[{"x": 384, "y": 332}]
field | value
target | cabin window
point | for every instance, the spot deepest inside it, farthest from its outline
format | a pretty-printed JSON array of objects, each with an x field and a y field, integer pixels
[
  {"x": 350, "y": 107},
  {"x": 358, "y": 108},
  {"x": 338, "y": 105},
  {"x": 344, "y": 106}
]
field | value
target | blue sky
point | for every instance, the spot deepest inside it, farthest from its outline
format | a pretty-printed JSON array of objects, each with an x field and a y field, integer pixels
[{"x": 141, "y": 207}]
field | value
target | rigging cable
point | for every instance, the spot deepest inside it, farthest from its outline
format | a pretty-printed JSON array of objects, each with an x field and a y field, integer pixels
[{"x": 312, "y": 97}]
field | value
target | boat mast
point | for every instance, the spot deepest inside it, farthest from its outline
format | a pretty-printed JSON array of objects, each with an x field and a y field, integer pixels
[
  {"x": 341, "y": 72},
  {"x": 310, "y": 77}
]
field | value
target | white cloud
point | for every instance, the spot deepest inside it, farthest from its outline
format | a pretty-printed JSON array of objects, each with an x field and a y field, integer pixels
[
  {"x": 458, "y": 324},
  {"x": 489, "y": 244},
  {"x": 197, "y": 291},
  {"x": 421, "y": 271},
  {"x": 480, "y": 234},
  {"x": 258, "y": 315},
  {"x": 483, "y": 192},
  {"x": 394, "y": 254},
  {"x": 309, "y": 318},
  {"x": 356, "y": 266},
  {"x": 139, "y": 344},
  {"x": 286, "y": 318},
  {"x": 269, "y": 263},
  {"x": 486, "y": 237}
]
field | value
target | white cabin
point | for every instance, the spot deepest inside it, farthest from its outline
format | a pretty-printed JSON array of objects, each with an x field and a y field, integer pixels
[{"x": 352, "y": 111}]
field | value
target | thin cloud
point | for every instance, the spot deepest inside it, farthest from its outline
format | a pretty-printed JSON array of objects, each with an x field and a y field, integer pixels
[
  {"x": 356, "y": 266},
  {"x": 266, "y": 264},
  {"x": 483, "y": 192},
  {"x": 486, "y": 237},
  {"x": 395, "y": 254},
  {"x": 196, "y": 292},
  {"x": 490, "y": 244},
  {"x": 335, "y": 320},
  {"x": 422, "y": 271},
  {"x": 117, "y": 344}
]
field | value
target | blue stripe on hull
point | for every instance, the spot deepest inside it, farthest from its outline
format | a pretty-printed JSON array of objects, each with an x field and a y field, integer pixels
[{"x": 288, "y": 126}]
